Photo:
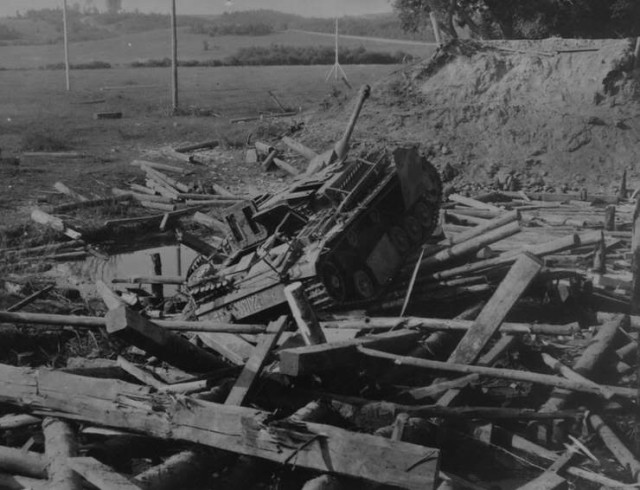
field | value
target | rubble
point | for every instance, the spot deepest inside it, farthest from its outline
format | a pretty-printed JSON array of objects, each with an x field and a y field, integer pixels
[{"x": 354, "y": 329}]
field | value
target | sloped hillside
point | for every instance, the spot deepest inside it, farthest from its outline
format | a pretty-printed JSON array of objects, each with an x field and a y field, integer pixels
[{"x": 560, "y": 112}]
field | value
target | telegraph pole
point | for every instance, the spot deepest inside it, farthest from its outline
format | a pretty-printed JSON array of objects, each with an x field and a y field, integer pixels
[
  {"x": 174, "y": 56},
  {"x": 66, "y": 44},
  {"x": 336, "y": 69}
]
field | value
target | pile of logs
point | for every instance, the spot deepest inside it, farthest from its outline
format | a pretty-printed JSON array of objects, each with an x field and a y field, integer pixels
[{"x": 530, "y": 366}]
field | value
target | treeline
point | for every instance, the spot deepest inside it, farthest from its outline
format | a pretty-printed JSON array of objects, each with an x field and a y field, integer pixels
[
  {"x": 280, "y": 55},
  {"x": 8, "y": 34},
  {"x": 260, "y": 22}
]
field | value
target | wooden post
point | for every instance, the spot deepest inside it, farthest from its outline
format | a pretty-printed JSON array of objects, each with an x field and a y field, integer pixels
[
  {"x": 600, "y": 257},
  {"x": 635, "y": 261},
  {"x": 60, "y": 445},
  {"x": 610, "y": 218},
  {"x": 174, "y": 349},
  {"x": 493, "y": 314},
  {"x": 174, "y": 57},
  {"x": 436, "y": 28},
  {"x": 65, "y": 27},
  {"x": 157, "y": 289},
  {"x": 304, "y": 315},
  {"x": 622, "y": 192}
]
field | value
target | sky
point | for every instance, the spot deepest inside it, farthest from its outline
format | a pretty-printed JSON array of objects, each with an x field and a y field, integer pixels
[{"x": 319, "y": 8}]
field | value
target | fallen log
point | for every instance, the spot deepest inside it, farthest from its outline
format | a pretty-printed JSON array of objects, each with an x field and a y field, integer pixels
[
  {"x": 159, "y": 166},
  {"x": 180, "y": 470},
  {"x": 97, "y": 322},
  {"x": 197, "y": 146},
  {"x": 512, "y": 374},
  {"x": 60, "y": 445},
  {"x": 443, "y": 324},
  {"x": 473, "y": 203},
  {"x": 164, "y": 179},
  {"x": 299, "y": 148},
  {"x": 57, "y": 224},
  {"x": 22, "y": 462},
  {"x": 624, "y": 456},
  {"x": 63, "y": 189},
  {"x": 141, "y": 197},
  {"x": 94, "y": 203},
  {"x": 30, "y": 299},
  {"x": 241, "y": 430},
  {"x": 16, "y": 482},
  {"x": 18, "y": 420}
]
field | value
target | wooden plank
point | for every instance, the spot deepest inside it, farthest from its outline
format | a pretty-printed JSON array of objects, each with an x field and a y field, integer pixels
[
  {"x": 495, "y": 311},
  {"x": 232, "y": 347},
  {"x": 102, "y": 476},
  {"x": 60, "y": 445},
  {"x": 242, "y": 430},
  {"x": 473, "y": 203},
  {"x": 174, "y": 349},
  {"x": 256, "y": 362},
  {"x": 330, "y": 356}
]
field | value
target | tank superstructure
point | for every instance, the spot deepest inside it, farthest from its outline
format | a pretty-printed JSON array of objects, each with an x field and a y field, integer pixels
[{"x": 343, "y": 231}]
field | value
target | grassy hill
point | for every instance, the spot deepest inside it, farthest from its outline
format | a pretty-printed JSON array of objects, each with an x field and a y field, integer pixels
[{"x": 128, "y": 48}]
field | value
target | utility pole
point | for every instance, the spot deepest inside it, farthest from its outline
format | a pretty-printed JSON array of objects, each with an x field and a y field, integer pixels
[
  {"x": 66, "y": 44},
  {"x": 336, "y": 68},
  {"x": 174, "y": 56}
]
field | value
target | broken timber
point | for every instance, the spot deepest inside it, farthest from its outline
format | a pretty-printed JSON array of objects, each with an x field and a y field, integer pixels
[{"x": 241, "y": 430}]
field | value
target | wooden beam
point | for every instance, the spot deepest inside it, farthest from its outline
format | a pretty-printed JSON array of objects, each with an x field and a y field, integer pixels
[
  {"x": 126, "y": 324},
  {"x": 303, "y": 313},
  {"x": 495, "y": 311},
  {"x": 102, "y": 476},
  {"x": 256, "y": 362},
  {"x": 247, "y": 431},
  {"x": 336, "y": 355},
  {"x": 27, "y": 463},
  {"x": 624, "y": 456}
]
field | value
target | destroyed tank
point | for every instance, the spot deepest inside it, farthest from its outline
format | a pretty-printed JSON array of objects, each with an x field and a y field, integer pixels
[{"x": 343, "y": 230}]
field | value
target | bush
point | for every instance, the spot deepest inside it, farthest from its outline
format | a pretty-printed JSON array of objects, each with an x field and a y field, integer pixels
[{"x": 91, "y": 65}]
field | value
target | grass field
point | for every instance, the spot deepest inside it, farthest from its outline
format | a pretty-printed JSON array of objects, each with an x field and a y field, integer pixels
[
  {"x": 39, "y": 107},
  {"x": 156, "y": 45}
]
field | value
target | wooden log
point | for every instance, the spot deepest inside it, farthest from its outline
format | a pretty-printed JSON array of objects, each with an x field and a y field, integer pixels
[
  {"x": 635, "y": 261},
  {"x": 493, "y": 314},
  {"x": 318, "y": 447},
  {"x": 197, "y": 146},
  {"x": 60, "y": 446},
  {"x": 16, "y": 482},
  {"x": 444, "y": 324},
  {"x": 126, "y": 324},
  {"x": 209, "y": 197},
  {"x": 587, "y": 362},
  {"x": 303, "y": 313},
  {"x": 336, "y": 355},
  {"x": 268, "y": 161},
  {"x": 179, "y": 471},
  {"x": 63, "y": 189},
  {"x": 141, "y": 197},
  {"x": 100, "y": 475},
  {"x": 165, "y": 179},
  {"x": 107, "y": 115},
  {"x": 571, "y": 374},
  {"x": 470, "y": 246},
  {"x": 299, "y": 148},
  {"x": 615, "y": 445},
  {"x": 141, "y": 189},
  {"x": 31, "y": 298},
  {"x": 163, "y": 190},
  {"x": 97, "y": 322},
  {"x": 57, "y": 224},
  {"x": 499, "y": 221},
  {"x": 221, "y": 190},
  {"x": 282, "y": 165},
  {"x": 543, "y": 379},
  {"x": 241, "y": 390},
  {"x": 15, "y": 421},
  {"x": 52, "y": 154},
  {"x": 211, "y": 222},
  {"x": 554, "y": 246},
  {"x": 472, "y": 203},
  {"x": 140, "y": 374},
  {"x": 159, "y": 166},
  {"x": 22, "y": 462},
  {"x": 323, "y": 482}
]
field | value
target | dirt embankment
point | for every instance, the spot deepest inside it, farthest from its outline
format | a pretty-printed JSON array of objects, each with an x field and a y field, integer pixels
[{"x": 557, "y": 112}]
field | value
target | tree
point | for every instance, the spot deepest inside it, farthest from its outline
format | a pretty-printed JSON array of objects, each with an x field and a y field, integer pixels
[
  {"x": 525, "y": 18},
  {"x": 114, "y": 6}
]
